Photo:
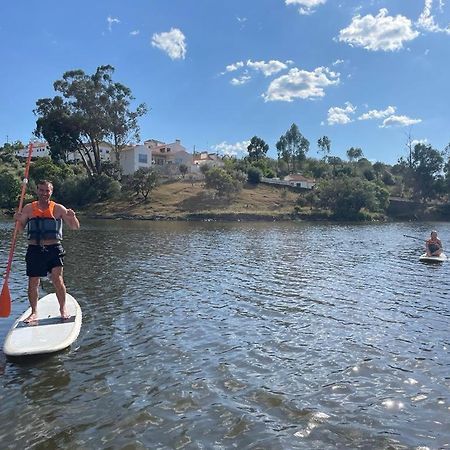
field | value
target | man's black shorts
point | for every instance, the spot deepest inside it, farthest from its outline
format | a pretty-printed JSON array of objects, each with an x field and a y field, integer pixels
[{"x": 41, "y": 259}]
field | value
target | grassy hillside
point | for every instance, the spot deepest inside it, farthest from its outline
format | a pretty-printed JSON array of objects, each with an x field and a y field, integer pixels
[{"x": 184, "y": 200}]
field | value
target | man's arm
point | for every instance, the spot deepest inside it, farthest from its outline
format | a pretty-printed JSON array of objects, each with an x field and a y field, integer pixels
[
  {"x": 68, "y": 216},
  {"x": 22, "y": 217}
]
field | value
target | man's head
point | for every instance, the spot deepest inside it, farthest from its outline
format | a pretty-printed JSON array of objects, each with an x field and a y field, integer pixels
[
  {"x": 44, "y": 190},
  {"x": 434, "y": 234}
]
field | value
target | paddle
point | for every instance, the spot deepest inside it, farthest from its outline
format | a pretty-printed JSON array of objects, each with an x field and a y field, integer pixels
[
  {"x": 5, "y": 297},
  {"x": 414, "y": 237}
]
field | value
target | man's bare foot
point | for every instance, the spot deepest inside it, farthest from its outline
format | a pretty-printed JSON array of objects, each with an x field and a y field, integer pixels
[
  {"x": 64, "y": 314},
  {"x": 31, "y": 318}
]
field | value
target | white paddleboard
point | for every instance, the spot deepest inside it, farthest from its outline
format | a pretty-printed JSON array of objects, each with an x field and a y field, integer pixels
[
  {"x": 49, "y": 333},
  {"x": 441, "y": 258}
]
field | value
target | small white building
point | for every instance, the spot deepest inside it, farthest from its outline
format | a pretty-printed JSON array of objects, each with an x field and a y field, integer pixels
[
  {"x": 295, "y": 180},
  {"x": 40, "y": 149},
  {"x": 206, "y": 159},
  {"x": 135, "y": 157}
]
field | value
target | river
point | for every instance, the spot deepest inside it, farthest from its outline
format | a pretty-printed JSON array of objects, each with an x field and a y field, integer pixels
[{"x": 238, "y": 335}]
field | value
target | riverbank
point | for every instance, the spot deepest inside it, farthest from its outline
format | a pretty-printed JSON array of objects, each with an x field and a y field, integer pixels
[{"x": 183, "y": 200}]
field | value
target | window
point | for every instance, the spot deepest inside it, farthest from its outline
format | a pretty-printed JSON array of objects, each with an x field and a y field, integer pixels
[{"x": 142, "y": 158}]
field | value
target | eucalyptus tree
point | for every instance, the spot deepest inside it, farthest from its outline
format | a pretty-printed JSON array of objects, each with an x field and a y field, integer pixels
[
  {"x": 89, "y": 110},
  {"x": 324, "y": 145},
  {"x": 257, "y": 149},
  {"x": 292, "y": 146},
  {"x": 354, "y": 153}
]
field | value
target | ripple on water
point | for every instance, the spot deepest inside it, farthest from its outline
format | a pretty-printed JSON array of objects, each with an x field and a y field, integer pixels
[{"x": 213, "y": 335}]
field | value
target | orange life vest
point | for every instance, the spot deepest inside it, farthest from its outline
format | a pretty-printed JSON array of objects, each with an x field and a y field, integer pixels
[{"x": 43, "y": 225}]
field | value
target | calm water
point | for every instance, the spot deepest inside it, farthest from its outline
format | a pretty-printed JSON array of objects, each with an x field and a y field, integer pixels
[{"x": 238, "y": 335}]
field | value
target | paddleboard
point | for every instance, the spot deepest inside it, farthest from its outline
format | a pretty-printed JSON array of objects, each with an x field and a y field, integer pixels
[
  {"x": 441, "y": 258},
  {"x": 49, "y": 333}
]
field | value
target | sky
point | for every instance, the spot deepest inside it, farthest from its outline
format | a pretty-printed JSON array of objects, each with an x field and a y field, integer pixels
[{"x": 214, "y": 73}]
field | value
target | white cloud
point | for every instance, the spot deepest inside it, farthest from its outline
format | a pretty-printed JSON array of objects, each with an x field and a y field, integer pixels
[
  {"x": 399, "y": 121},
  {"x": 426, "y": 19},
  {"x": 111, "y": 21},
  {"x": 134, "y": 32},
  {"x": 341, "y": 116},
  {"x": 267, "y": 68},
  {"x": 337, "y": 62},
  {"x": 240, "y": 80},
  {"x": 301, "y": 84},
  {"x": 237, "y": 149},
  {"x": 171, "y": 42},
  {"x": 382, "y": 32},
  {"x": 306, "y": 6},
  {"x": 234, "y": 67},
  {"x": 378, "y": 114}
]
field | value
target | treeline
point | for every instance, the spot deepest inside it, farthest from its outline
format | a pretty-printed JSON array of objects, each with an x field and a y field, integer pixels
[{"x": 90, "y": 109}]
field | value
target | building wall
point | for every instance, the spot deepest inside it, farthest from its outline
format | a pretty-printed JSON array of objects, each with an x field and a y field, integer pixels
[{"x": 133, "y": 158}]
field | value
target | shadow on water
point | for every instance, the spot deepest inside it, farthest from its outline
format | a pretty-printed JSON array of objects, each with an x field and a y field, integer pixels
[{"x": 247, "y": 335}]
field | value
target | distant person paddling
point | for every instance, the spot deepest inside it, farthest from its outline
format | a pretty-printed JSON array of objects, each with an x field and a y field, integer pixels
[
  {"x": 45, "y": 254},
  {"x": 433, "y": 246}
]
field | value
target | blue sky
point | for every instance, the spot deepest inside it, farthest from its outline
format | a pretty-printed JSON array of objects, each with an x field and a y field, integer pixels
[{"x": 217, "y": 72}]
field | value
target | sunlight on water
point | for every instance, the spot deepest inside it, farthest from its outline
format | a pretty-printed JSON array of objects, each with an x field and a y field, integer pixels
[{"x": 245, "y": 335}]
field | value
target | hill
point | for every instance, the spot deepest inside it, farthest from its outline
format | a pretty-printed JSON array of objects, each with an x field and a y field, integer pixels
[{"x": 183, "y": 200}]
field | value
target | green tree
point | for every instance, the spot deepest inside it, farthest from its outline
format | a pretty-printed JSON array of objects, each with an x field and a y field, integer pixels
[
  {"x": 7, "y": 152},
  {"x": 347, "y": 196},
  {"x": 45, "y": 169},
  {"x": 257, "y": 149},
  {"x": 427, "y": 164},
  {"x": 324, "y": 145},
  {"x": 354, "y": 153},
  {"x": 222, "y": 182},
  {"x": 9, "y": 189},
  {"x": 254, "y": 175},
  {"x": 90, "y": 109},
  {"x": 292, "y": 146},
  {"x": 143, "y": 181}
]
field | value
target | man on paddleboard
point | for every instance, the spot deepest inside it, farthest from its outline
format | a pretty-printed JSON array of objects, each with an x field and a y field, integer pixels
[
  {"x": 45, "y": 254},
  {"x": 433, "y": 246}
]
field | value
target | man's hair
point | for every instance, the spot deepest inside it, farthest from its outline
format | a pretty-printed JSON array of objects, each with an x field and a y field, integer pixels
[{"x": 41, "y": 182}]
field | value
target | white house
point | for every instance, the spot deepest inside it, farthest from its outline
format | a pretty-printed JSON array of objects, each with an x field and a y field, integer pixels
[
  {"x": 294, "y": 180},
  {"x": 167, "y": 158},
  {"x": 135, "y": 157},
  {"x": 42, "y": 149},
  {"x": 206, "y": 159}
]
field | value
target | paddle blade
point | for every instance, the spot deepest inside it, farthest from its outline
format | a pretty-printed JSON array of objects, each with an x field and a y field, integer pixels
[{"x": 5, "y": 301}]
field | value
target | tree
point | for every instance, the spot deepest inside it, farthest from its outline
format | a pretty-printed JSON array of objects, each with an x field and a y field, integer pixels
[
  {"x": 9, "y": 189},
  {"x": 7, "y": 151},
  {"x": 427, "y": 164},
  {"x": 90, "y": 109},
  {"x": 143, "y": 181},
  {"x": 254, "y": 175},
  {"x": 324, "y": 144},
  {"x": 222, "y": 182},
  {"x": 378, "y": 168},
  {"x": 346, "y": 196},
  {"x": 183, "y": 170},
  {"x": 354, "y": 153},
  {"x": 292, "y": 146},
  {"x": 257, "y": 149}
]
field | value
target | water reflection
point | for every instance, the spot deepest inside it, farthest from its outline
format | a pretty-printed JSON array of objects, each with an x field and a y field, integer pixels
[{"x": 210, "y": 335}]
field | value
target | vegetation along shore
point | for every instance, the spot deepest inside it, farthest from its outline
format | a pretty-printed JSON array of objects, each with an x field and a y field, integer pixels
[{"x": 77, "y": 128}]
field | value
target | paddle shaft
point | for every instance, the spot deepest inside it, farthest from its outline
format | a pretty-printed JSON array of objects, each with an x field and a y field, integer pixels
[
  {"x": 414, "y": 237},
  {"x": 5, "y": 298}
]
